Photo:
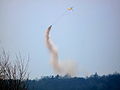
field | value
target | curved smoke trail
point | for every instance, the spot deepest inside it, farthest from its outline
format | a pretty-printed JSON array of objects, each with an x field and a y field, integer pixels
[{"x": 59, "y": 68}]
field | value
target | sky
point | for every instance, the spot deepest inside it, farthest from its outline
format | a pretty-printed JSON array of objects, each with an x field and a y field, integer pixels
[{"x": 89, "y": 34}]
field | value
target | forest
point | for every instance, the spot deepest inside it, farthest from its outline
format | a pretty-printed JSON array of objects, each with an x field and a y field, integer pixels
[{"x": 93, "y": 82}]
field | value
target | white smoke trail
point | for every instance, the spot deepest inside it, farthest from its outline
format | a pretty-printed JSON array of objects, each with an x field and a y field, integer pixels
[{"x": 65, "y": 68}]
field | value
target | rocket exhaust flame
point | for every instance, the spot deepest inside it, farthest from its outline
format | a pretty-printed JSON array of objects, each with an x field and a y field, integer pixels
[{"x": 59, "y": 68}]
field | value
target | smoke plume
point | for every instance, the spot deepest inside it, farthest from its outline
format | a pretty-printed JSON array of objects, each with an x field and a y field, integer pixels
[{"x": 61, "y": 68}]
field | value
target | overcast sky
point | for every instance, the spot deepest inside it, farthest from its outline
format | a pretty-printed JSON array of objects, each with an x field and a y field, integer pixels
[{"x": 90, "y": 34}]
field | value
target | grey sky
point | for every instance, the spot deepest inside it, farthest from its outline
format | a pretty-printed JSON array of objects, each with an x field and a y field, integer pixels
[{"x": 90, "y": 34}]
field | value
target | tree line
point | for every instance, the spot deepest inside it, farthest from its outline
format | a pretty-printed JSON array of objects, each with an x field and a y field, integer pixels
[{"x": 94, "y": 82}]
